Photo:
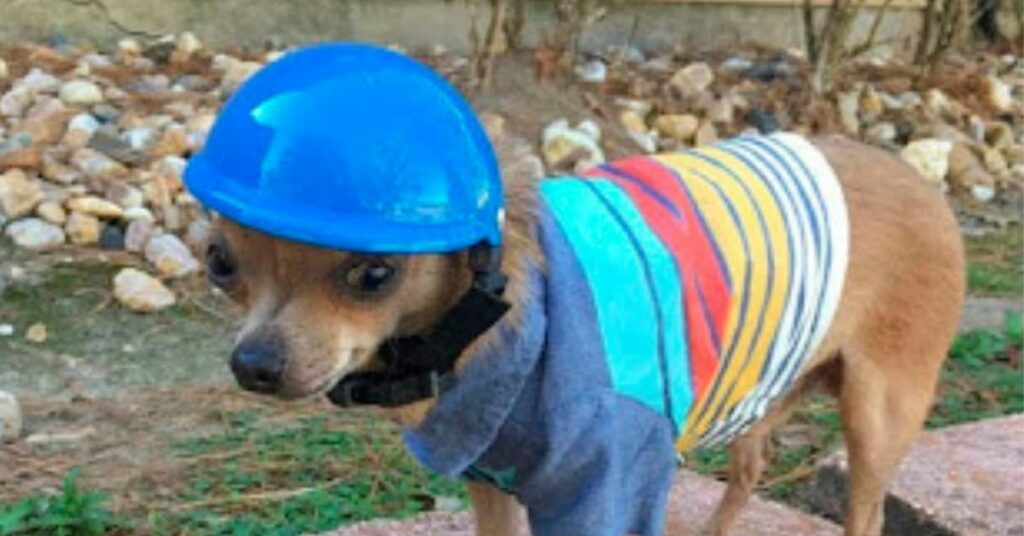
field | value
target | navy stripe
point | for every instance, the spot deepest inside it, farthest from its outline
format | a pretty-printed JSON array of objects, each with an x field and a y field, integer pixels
[
  {"x": 647, "y": 188},
  {"x": 770, "y": 257},
  {"x": 649, "y": 278},
  {"x": 716, "y": 339}
]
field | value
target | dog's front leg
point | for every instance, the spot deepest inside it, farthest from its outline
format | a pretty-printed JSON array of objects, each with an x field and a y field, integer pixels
[{"x": 496, "y": 513}]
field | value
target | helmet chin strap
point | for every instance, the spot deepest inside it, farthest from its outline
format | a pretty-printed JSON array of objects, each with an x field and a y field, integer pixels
[{"x": 419, "y": 367}]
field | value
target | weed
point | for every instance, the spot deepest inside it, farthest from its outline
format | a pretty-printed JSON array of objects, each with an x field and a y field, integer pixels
[{"x": 71, "y": 512}]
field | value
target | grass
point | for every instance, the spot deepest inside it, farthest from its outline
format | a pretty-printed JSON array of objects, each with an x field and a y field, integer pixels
[
  {"x": 996, "y": 263},
  {"x": 72, "y": 511}
]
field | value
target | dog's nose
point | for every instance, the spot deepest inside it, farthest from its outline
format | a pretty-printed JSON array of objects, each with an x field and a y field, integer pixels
[{"x": 258, "y": 364}]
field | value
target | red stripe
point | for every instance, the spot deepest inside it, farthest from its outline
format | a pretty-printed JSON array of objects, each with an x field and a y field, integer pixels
[{"x": 691, "y": 248}]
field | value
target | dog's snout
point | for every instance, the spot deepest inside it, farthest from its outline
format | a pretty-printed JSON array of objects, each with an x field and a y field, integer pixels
[{"x": 258, "y": 364}]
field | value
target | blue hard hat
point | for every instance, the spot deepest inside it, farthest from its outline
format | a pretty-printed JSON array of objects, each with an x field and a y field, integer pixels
[{"x": 352, "y": 147}]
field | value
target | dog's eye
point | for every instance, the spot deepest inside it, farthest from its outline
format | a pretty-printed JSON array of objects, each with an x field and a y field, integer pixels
[
  {"x": 220, "y": 267},
  {"x": 368, "y": 278}
]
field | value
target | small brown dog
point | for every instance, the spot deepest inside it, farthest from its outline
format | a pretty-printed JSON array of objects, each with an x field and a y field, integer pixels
[{"x": 316, "y": 315}]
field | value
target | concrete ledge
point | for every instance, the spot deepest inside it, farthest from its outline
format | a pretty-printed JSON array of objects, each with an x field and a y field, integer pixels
[
  {"x": 692, "y": 501},
  {"x": 962, "y": 480}
]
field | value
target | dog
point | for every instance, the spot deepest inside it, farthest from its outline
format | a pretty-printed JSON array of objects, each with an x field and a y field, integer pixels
[{"x": 887, "y": 313}]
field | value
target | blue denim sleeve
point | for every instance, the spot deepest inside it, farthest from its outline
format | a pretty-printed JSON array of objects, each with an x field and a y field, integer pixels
[{"x": 606, "y": 471}]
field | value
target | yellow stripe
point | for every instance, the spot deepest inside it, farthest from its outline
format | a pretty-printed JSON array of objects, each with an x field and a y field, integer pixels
[{"x": 741, "y": 378}]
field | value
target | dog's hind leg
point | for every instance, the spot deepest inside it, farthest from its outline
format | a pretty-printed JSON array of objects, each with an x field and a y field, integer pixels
[{"x": 747, "y": 459}]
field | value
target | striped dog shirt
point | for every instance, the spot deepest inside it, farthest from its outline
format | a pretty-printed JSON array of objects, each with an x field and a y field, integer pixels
[{"x": 683, "y": 293}]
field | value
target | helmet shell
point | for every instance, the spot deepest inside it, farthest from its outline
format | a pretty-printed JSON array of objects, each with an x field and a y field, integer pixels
[{"x": 355, "y": 147}]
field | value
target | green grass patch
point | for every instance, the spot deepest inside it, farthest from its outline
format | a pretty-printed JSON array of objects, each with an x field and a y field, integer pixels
[
  {"x": 73, "y": 511},
  {"x": 995, "y": 264},
  {"x": 311, "y": 475}
]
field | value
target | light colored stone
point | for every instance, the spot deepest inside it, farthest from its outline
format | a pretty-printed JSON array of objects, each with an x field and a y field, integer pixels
[
  {"x": 882, "y": 133},
  {"x": 35, "y": 234},
  {"x": 693, "y": 79},
  {"x": 80, "y": 129},
  {"x": 198, "y": 235},
  {"x": 994, "y": 162},
  {"x": 6, "y": 330},
  {"x": 82, "y": 229},
  {"x": 52, "y": 212},
  {"x": 138, "y": 233},
  {"x": 639, "y": 106},
  {"x": 173, "y": 141},
  {"x": 633, "y": 121},
  {"x": 170, "y": 256},
  {"x": 997, "y": 95},
  {"x": 706, "y": 134},
  {"x": 141, "y": 292},
  {"x": 563, "y": 146},
  {"x": 140, "y": 139},
  {"x": 4, "y": 71},
  {"x": 236, "y": 73},
  {"x": 592, "y": 72},
  {"x": 930, "y": 157},
  {"x": 39, "y": 81},
  {"x": 81, "y": 93},
  {"x": 15, "y": 102},
  {"x": 36, "y": 333},
  {"x": 679, "y": 127},
  {"x": 983, "y": 193},
  {"x": 124, "y": 195},
  {"x": 198, "y": 127},
  {"x": 10, "y": 418},
  {"x": 58, "y": 172},
  {"x": 871, "y": 104},
  {"x": 188, "y": 44},
  {"x": 45, "y": 121},
  {"x": 494, "y": 124},
  {"x": 721, "y": 112},
  {"x": 170, "y": 166},
  {"x": 96, "y": 206},
  {"x": 647, "y": 141},
  {"x": 97, "y": 165},
  {"x": 19, "y": 194},
  {"x": 137, "y": 214},
  {"x": 849, "y": 107}
]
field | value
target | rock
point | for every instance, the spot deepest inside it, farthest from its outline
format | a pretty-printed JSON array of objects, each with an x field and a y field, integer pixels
[
  {"x": 52, "y": 212},
  {"x": 107, "y": 142},
  {"x": 641, "y": 107},
  {"x": 693, "y": 79},
  {"x": 187, "y": 44},
  {"x": 19, "y": 195},
  {"x": 706, "y": 134},
  {"x": 95, "y": 206},
  {"x": 930, "y": 157},
  {"x": 197, "y": 236},
  {"x": 983, "y": 193},
  {"x": 173, "y": 141},
  {"x": 45, "y": 122},
  {"x": 141, "y": 292},
  {"x": 170, "y": 256},
  {"x": 494, "y": 124},
  {"x": 4, "y": 72},
  {"x": 236, "y": 73},
  {"x": 80, "y": 129},
  {"x": 58, "y": 172},
  {"x": 112, "y": 238},
  {"x": 38, "y": 81},
  {"x": 871, "y": 104},
  {"x": 97, "y": 165},
  {"x": 14, "y": 102},
  {"x": 140, "y": 139},
  {"x": 961, "y": 160},
  {"x": 36, "y": 333},
  {"x": 10, "y": 416},
  {"x": 721, "y": 112},
  {"x": 124, "y": 195},
  {"x": 198, "y": 127},
  {"x": 565, "y": 147},
  {"x": 883, "y": 133},
  {"x": 6, "y": 330},
  {"x": 849, "y": 107},
  {"x": 35, "y": 234},
  {"x": 592, "y": 72},
  {"x": 647, "y": 141},
  {"x": 633, "y": 122},
  {"x": 998, "y": 135},
  {"x": 82, "y": 229},
  {"x": 137, "y": 214},
  {"x": 995, "y": 163},
  {"x": 938, "y": 104},
  {"x": 137, "y": 234},
  {"x": 997, "y": 95},
  {"x": 678, "y": 127},
  {"x": 765, "y": 122},
  {"x": 80, "y": 93},
  {"x": 172, "y": 167},
  {"x": 20, "y": 157}
]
